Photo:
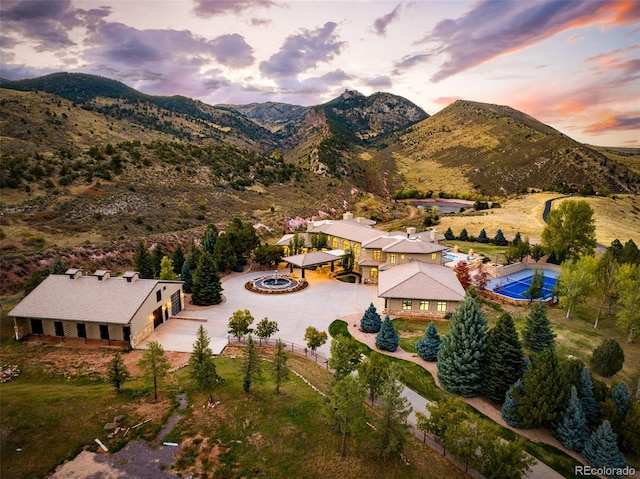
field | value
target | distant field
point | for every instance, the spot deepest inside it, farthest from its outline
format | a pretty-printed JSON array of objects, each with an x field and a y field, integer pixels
[{"x": 614, "y": 218}]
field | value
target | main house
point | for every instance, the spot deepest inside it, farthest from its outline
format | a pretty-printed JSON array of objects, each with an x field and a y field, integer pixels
[
  {"x": 97, "y": 307},
  {"x": 408, "y": 266}
]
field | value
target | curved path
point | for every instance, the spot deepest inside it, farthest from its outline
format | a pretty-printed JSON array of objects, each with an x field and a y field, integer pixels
[{"x": 539, "y": 470}]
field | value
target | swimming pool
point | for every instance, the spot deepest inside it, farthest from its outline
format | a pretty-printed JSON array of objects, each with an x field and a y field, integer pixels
[{"x": 515, "y": 285}]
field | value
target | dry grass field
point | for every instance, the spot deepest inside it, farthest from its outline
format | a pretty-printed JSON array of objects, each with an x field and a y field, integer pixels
[{"x": 614, "y": 218}]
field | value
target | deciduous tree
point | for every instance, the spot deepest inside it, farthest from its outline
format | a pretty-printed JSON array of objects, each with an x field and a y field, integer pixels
[
  {"x": 314, "y": 338},
  {"x": 461, "y": 269},
  {"x": 576, "y": 280},
  {"x": 393, "y": 409},
  {"x": 344, "y": 408},
  {"x": 345, "y": 356},
  {"x": 266, "y": 328},
  {"x": 239, "y": 323},
  {"x": 570, "y": 230},
  {"x": 629, "y": 293},
  {"x": 166, "y": 270},
  {"x": 373, "y": 372}
]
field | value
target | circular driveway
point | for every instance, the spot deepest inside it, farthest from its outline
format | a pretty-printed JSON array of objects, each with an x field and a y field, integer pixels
[{"x": 325, "y": 300}]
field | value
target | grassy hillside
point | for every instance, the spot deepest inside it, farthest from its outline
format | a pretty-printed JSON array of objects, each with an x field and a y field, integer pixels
[{"x": 499, "y": 151}]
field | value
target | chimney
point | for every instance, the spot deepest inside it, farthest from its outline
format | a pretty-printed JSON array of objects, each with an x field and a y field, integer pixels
[
  {"x": 73, "y": 273},
  {"x": 310, "y": 225},
  {"x": 131, "y": 276},
  {"x": 433, "y": 234},
  {"x": 347, "y": 216},
  {"x": 411, "y": 231},
  {"x": 102, "y": 274},
  {"x": 360, "y": 220}
]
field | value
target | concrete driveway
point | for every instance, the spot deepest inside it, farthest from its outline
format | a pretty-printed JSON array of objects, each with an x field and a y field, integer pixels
[{"x": 325, "y": 300}]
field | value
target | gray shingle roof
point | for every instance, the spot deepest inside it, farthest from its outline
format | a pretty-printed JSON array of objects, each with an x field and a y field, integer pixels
[
  {"x": 85, "y": 298},
  {"x": 418, "y": 280}
]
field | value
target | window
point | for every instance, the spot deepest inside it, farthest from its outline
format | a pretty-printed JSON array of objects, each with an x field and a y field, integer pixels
[
  {"x": 345, "y": 245},
  {"x": 407, "y": 304},
  {"x": 356, "y": 249},
  {"x": 441, "y": 306},
  {"x": 402, "y": 257},
  {"x": 36, "y": 326},
  {"x": 434, "y": 256},
  {"x": 393, "y": 259},
  {"x": 374, "y": 273},
  {"x": 377, "y": 254},
  {"x": 334, "y": 243},
  {"x": 82, "y": 330},
  {"x": 159, "y": 295},
  {"x": 58, "y": 328},
  {"x": 424, "y": 305}
]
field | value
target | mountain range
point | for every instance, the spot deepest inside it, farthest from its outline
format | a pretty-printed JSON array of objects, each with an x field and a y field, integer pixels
[{"x": 493, "y": 149}]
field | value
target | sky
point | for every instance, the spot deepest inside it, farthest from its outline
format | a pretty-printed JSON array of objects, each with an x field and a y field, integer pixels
[{"x": 572, "y": 64}]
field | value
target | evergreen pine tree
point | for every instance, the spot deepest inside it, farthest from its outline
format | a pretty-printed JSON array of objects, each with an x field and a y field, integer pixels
[
  {"x": 517, "y": 239},
  {"x": 621, "y": 397},
  {"x": 142, "y": 261},
  {"x": 224, "y": 253},
  {"x": 203, "y": 368},
  {"x": 510, "y": 406},
  {"x": 209, "y": 238},
  {"x": 178, "y": 259},
  {"x": 387, "y": 339},
  {"x": 392, "y": 430},
  {"x": 462, "y": 353},
  {"x": 371, "y": 321},
  {"x": 250, "y": 364},
  {"x": 629, "y": 432},
  {"x": 482, "y": 237},
  {"x": 499, "y": 239},
  {"x": 601, "y": 449},
  {"x": 537, "y": 333},
  {"x": 544, "y": 392},
  {"x": 607, "y": 358},
  {"x": 207, "y": 289},
  {"x": 504, "y": 361},
  {"x": 117, "y": 372},
  {"x": 448, "y": 235},
  {"x": 156, "y": 259},
  {"x": 571, "y": 430},
  {"x": 587, "y": 398},
  {"x": 187, "y": 277},
  {"x": 464, "y": 236},
  {"x": 428, "y": 345}
]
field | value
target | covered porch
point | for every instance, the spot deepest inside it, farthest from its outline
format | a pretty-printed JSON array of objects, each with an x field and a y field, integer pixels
[{"x": 309, "y": 260}]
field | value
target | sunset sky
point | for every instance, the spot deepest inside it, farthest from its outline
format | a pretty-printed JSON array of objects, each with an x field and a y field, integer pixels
[{"x": 574, "y": 65}]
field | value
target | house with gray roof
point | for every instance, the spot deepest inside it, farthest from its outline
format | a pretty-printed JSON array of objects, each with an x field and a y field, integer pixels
[
  {"x": 416, "y": 288},
  {"x": 99, "y": 306},
  {"x": 406, "y": 265}
]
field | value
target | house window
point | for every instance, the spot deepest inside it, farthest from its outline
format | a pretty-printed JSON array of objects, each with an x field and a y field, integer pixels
[
  {"x": 434, "y": 256},
  {"x": 334, "y": 243},
  {"x": 402, "y": 257},
  {"x": 159, "y": 295},
  {"x": 82, "y": 330},
  {"x": 36, "y": 326},
  {"x": 356, "y": 249},
  {"x": 393, "y": 259},
  {"x": 345, "y": 245},
  {"x": 441, "y": 307},
  {"x": 407, "y": 304},
  {"x": 377, "y": 254},
  {"x": 424, "y": 305},
  {"x": 374, "y": 273}
]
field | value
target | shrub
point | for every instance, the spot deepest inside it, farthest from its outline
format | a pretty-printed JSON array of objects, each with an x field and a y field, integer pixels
[{"x": 607, "y": 358}]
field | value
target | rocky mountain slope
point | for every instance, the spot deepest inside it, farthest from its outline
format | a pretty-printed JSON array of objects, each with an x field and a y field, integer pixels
[{"x": 501, "y": 151}]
